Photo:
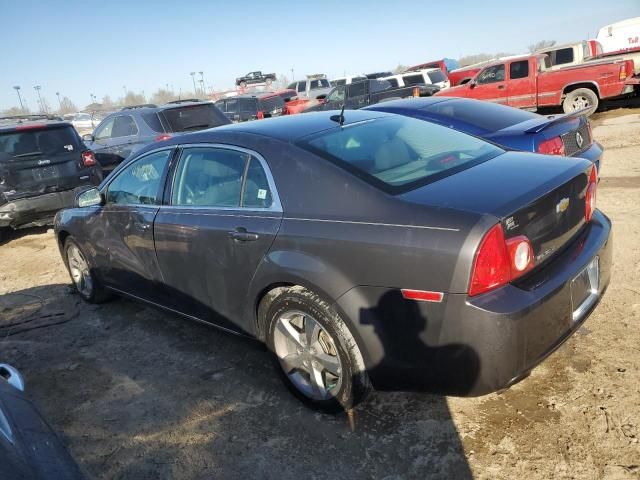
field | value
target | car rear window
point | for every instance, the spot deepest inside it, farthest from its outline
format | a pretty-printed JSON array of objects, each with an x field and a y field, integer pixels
[
  {"x": 393, "y": 82},
  {"x": 437, "y": 76},
  {"x": 152, "y": 121},
  {"x": 49, "y": 141},
  {"x": 398, "y": 154},
  {"x": 194, "y": 117},
  {"x": 486, "y": 117}
]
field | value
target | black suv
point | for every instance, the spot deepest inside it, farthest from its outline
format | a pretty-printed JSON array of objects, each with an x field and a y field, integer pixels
[
  {"x": 124, "y": 132},
  {"x": 252, "y": 106},
  {"x": 43, "y": 165}
]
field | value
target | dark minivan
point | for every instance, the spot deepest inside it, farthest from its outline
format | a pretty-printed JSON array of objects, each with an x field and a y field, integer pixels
[
  {"x": 43, "y": 165},
  {"x": 128, "y": 130},
  {"x": 252, "y": 107}
]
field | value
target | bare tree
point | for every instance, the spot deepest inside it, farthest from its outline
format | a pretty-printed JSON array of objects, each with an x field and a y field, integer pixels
[
  {"x": 162, "y": 96},
  {"x": 13, "y": 111},
  {"x": 400, "y": 68},
  {"x": 541, "y": 45},
  {"x": 480, "y": 57},
  {"x": 132, "y": 98},
  {"x": 107, "y": 103},
  {"x": 67, "y": 106}
]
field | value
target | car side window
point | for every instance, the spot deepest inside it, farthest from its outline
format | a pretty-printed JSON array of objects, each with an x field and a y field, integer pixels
[
  {"x": 562, "y": 56},
  {"x": 492, "y": 74},
  {"x": 124, "y": 126},
  {"x": 208, "y": 176},
  {"x": 104, "y": 131},
  {"x": 357, "y": 89},
  {"x": 336, "y": 95},
  {"x": 302, "y": 86},
  {"x": 519, "y": 69},
  {"x": 140, "y": 182},
  {"x": 256, "y": 193}
]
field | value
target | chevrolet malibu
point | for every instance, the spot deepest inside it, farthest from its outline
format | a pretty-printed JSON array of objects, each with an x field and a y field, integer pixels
[{"x": 365, "y": 249}]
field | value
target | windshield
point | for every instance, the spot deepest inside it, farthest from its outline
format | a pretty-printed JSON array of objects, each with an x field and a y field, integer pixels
[
  {"x": 194, "y": 117},
  {"x": 43, "y": 141},
  {"x": 398, "y": 154}
]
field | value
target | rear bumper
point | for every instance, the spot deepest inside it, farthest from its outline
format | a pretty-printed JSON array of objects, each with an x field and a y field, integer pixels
[
  {"x": 473, "y": 346},
  {"x": 37, "y": 210}
]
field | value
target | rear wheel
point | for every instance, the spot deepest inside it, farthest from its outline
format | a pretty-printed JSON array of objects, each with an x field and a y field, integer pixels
[
  {"x": 579, "y": 99},
  {"x": 315, "y": 352},
  {"x": 243, "y": 84},
  {"x": 84, "y": 281},
  {"x": 4, "y": 234}
]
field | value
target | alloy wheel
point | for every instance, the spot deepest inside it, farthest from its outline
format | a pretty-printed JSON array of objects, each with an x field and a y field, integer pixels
[
  {"x": 308, "y": 355},
  {"x": 80, "y": 272}
]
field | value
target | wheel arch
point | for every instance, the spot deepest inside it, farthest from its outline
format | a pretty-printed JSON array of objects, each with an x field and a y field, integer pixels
[{"x": 575, "y": 86}]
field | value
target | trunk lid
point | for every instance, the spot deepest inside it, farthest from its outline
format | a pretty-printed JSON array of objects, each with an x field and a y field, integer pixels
[
  {"x": 40, "y": 160},
  {"x": 542, "y": 197}
]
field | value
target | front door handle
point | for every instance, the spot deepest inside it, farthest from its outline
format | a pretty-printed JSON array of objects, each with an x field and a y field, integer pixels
[
  {"x": 500, "y": 87},
  {"x": 240, "y": 234},
  {"x": 142, "y": 226}
]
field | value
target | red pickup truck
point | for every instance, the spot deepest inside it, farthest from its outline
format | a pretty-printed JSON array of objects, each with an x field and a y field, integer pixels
[{"x": 528, "y": 82}]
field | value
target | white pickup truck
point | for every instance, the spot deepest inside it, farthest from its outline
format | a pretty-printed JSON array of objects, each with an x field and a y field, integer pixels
[{"x": 573, "y": 54}]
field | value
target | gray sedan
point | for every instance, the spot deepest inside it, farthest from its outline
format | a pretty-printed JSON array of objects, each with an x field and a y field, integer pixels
[{"x": 365, "y": 249}]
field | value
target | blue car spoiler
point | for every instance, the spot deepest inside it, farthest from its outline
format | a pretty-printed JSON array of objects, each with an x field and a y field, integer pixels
[{"x": 555, "y": 120}]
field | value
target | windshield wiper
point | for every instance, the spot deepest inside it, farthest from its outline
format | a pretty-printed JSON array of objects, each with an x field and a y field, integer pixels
[{"x": 27, "y": 154}]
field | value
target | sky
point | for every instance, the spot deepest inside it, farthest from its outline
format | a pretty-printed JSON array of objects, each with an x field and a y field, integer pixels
[{"x": 81, "y": 47}]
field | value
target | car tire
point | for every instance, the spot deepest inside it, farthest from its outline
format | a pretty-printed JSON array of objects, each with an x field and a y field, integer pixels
[
  {"x": 269, "y": 81},
  {"x": 243, "y": 84},
  {"x": 580, "y": 98},
  {"x": 4, "y": 234},
  {"x": 314, "y": 351},
  {"x": 82, "y": 275}
]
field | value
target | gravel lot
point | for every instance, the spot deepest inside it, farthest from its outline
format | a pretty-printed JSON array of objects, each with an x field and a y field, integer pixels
[{"x": 140, "y": 394}]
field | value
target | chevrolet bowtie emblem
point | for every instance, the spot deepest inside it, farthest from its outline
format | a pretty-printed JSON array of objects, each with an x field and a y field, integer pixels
[{"x": 562, "y": 205}]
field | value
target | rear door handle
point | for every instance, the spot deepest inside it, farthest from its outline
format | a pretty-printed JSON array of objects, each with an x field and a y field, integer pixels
[
  {"x": 500, "y": 87},
  {"x": 240, "y": 234}
]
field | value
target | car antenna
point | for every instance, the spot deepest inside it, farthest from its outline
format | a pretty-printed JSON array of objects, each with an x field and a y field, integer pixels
[{"x": 339, "y": 118}]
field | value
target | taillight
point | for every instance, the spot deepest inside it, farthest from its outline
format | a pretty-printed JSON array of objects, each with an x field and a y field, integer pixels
[
  {"x": 623, "y": 71},
  {"x": 553, "y": 146},
  {"x": 590, "y": 197},
  {"x": 499, "y": 261},
  {"x": 260, "y": 115},
  {"x": 88, "y": 158},
  {"x": 162, "y": 137}
]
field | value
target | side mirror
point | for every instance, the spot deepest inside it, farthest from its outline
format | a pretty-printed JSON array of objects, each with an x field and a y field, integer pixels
[
  {"x": 472, "y": 83},
  {"x": 89, "y": 198},
  {"x": 87, "y": 137},
  {"x": 12, "y": 376}
]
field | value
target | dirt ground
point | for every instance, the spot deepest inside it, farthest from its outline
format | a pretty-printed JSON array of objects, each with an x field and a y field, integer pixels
[{"x": 140, "y": 394}]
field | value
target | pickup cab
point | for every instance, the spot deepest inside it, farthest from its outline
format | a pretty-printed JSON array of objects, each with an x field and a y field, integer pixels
[
  {"x": 528, "y": 82},
  {"x": 580, "y": 53},
  {"x": 369, "y": 92}
]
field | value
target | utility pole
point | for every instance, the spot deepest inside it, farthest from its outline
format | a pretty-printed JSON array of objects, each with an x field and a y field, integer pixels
[
  {"x": 59, "y": 102},
  {"x": 37, "y": 88},
  {"x": 202, "y": 83},
  {"x": 17, "y": 89},
  {"x": 193, "y": 78}
]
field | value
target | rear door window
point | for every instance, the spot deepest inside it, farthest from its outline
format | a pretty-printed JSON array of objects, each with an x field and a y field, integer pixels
[
  {"x": 256, "y": 193},
  {"x": 562, "y": 56},
  {"x": 393, "y": 82},
  {"x": 302, "y": 87},
  {"x": 319, "y": 83},
  {"x": 519, "y": 69},
  {"x": 194, "y": 117},
  {"x": 437, "y": 76},
  {"x": 124, "y": 126},
  {"x": 104, "y": 130},
  {"x": 271, "y": 105},
  {"x": 209, "y": 177}
]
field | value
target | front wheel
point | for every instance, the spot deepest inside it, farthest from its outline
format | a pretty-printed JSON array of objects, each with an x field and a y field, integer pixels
[
  {"x": 579, "y": 99},
  {"x": 315, "y": 351},
  {"x": 84, "y": 280}
]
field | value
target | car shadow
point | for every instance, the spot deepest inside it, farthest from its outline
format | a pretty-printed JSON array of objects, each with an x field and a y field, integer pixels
[{"x": 139, "y": 393}]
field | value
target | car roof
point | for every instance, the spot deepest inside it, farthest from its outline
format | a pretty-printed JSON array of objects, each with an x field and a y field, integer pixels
[
  {"x": 30, "y": 121},
  {"x": 289, "y": 128},
  {"x": 417, "y": 103},
  {"x": 258, "y": 95}
]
